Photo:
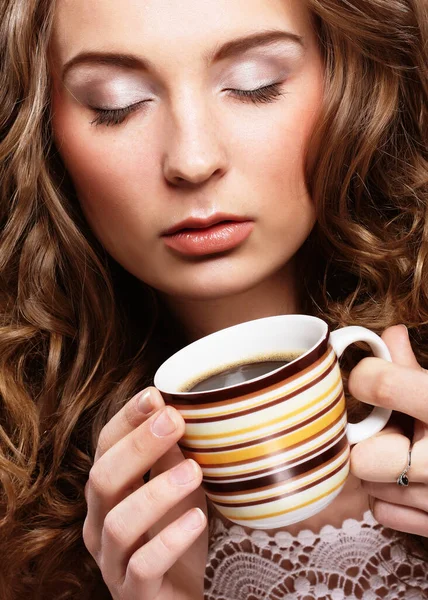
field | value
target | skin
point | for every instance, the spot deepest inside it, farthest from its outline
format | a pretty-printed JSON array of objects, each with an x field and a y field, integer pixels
[
  {"x": 195, "y": 130},
  {"x": 195, "y": 150}
]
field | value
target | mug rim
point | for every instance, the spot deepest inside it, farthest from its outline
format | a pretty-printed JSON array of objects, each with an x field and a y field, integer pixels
[{"x": 301, "y": 362}]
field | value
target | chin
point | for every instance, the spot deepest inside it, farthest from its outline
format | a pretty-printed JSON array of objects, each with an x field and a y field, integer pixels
[
  {"x": 210, "y": 291},
  {"x": 217, "y": 285}
]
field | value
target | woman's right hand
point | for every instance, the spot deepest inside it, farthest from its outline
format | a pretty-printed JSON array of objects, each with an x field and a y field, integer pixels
[{"x": 145, "y": 541}]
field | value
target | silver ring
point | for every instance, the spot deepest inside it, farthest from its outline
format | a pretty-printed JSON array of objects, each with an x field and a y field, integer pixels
[{"x": 403, "y": 480}]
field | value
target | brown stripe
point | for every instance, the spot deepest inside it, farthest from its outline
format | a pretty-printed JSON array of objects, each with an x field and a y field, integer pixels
[
  {"x": 343, "y": 449},
  {"x": 187, "y": 403},
  {"x": 306, "y": 456},
  {"x": 214, "y": 396},
  {"x": 285, "y": 494},
  {"x": 260, "y": 483},
  {"x": 268, "y": 438},
  {"x": 250, "y": 411},
  {"x": 248, "y": 461},
  {"x": 332, "y": 454}
]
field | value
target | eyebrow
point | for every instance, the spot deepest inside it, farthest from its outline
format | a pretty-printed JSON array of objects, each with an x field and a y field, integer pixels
[{"x": 227, "y": 50}]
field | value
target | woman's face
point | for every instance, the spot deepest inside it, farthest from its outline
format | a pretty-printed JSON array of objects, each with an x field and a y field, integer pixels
[{"x": 189, "y": 178}]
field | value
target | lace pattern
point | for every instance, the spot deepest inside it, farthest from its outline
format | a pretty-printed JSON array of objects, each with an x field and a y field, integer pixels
[{"x": 361, "y": 560}]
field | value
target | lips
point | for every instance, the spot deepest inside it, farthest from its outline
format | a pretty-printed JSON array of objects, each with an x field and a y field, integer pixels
[{"x": 198, "y": 237}]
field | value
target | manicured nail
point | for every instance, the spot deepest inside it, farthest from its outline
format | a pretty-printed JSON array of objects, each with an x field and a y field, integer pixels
[
  {"x": 183, "y": 473},
  {"x": 164, "y": 424},
  {"x": 193, "y": 519},
  {"x": 145, "y": 404},
  {"x": 405, "y": 327}
]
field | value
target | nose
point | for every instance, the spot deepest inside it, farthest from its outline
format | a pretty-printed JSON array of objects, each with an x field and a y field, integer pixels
[{"x": 195, "y": 151}]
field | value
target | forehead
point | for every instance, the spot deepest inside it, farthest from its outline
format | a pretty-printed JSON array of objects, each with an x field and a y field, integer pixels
[{"x": 167, "y": 27}]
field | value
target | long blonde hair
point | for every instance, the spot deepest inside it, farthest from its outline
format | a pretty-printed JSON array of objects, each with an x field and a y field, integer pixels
[{"x": 62, "y": 376}]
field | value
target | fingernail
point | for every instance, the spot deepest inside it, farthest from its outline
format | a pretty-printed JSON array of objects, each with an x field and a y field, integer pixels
[
  {"x": 183, "y": 473},
  {"x": 164, "y": 424},
  {"x": 404, "y": 327},
  {"x": 193, "y": 519},
  {"x": 145, "y": 404}
]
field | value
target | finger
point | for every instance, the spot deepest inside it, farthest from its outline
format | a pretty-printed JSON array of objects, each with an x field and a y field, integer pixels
[
  {"x": 384, "y": 456},
  {"x": 401, "y": 518},
  {"x": 173, "y": 457},
  {"x": 148, "y": 565},
  {"x": 124, "y": 464},
  {"x": 400, "y": 388},
  {"x": 128, "y": 521},
  {"x": 132, "y": 456},
  {"x": 135, "y": 412},
  {"x": 414, "y": 496},
  {"x": 398, "y": 342}
]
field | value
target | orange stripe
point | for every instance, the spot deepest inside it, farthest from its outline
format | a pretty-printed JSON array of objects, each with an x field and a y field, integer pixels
[
  {"x": 219, "y": 434},
  {"x": 280, "y": 460},
  {"x": 297, "y": 481},
  {"x": 238, "y": 517},
  {"x": 262, "y": 450}
]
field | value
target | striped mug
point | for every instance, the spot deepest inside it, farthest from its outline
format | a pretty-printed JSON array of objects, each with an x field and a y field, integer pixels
[{"x": 274, "y": 449}]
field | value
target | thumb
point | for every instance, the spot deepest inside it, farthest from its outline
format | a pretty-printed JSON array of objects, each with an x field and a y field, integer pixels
[{"x": 398, "y": 342}]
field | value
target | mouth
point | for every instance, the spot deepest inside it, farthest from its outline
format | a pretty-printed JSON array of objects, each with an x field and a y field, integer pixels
[
  {"x": 198, "y": 237},
  {"x": 196, "y": 223}
]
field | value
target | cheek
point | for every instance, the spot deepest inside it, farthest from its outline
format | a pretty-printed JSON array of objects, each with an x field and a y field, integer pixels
[
  {"x": 278, "y": 157},
  {"x": 279, "y": 144},
  {"x": 109, "y": 171}
]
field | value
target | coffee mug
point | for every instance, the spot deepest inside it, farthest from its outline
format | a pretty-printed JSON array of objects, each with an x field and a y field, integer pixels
[{"x": 274, "y": 448}]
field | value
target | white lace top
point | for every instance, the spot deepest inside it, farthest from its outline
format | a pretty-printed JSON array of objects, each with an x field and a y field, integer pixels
[{"x": 361, "y": 560}]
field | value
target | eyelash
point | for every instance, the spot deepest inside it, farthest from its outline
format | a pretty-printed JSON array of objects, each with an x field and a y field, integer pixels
[{"x": 111, "y": 117}]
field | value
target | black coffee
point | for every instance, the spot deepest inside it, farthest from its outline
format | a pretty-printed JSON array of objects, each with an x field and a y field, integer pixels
[{"x": 240, "y": 372}]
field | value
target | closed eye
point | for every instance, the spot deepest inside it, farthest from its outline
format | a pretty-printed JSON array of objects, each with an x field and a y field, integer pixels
[
  {"x": 267, "y": 93},
  {"x": 116, "y": 116}
]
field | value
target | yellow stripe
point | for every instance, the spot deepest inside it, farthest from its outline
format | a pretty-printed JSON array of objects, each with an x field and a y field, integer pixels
[
  {"x": 262, "y": 450},
  {"x": 274, "y": 492},
  {"x": 238, "y": 517},
  {"x": 281, "y": 419},
  {"x": 197, "y": 415},
  {"x": 280, "y": 459}
]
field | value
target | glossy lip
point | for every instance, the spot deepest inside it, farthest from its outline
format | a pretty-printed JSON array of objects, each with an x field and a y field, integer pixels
[
  {"x": 201, "y": 223},
  {"x": 202, "y": 237}
]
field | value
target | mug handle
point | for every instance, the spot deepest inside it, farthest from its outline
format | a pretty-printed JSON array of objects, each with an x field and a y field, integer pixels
[{"x": 378, "y": 418}]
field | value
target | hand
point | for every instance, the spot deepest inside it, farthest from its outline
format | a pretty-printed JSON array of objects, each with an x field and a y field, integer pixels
[
  {"x": 378, "y": 461},
  {"x": 143, "y": 544}
]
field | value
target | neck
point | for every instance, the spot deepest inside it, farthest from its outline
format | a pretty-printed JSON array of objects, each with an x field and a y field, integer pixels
[{"x": 274, "y": 296}]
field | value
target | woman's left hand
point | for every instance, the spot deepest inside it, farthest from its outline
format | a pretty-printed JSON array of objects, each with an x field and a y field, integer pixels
[{"x": 378, "y": 461}]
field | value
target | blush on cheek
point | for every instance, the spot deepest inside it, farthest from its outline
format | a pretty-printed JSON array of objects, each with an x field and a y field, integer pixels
[
  {"x": 103, "y": 172},
  {"x": 93, "y": 157}
]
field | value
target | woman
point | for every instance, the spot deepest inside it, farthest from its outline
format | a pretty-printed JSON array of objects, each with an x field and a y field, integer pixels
[{"x": 169, "y": 169}]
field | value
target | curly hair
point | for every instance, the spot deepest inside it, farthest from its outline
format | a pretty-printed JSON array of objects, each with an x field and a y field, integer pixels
[{"x": 62, "y": 376}]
